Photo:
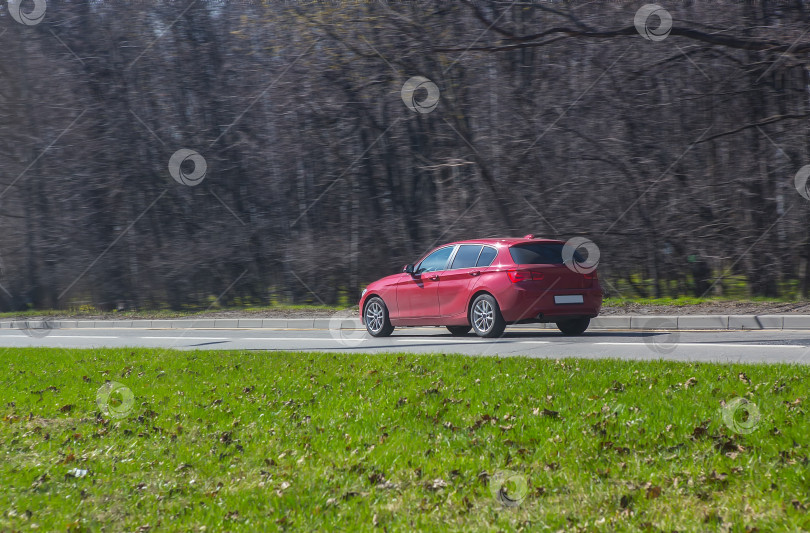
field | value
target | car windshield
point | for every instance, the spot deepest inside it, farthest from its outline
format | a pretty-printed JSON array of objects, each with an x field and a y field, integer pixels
[{"x": 549, "y": 253}]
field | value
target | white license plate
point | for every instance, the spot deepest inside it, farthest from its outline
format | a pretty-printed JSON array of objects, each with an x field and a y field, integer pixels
[{"x": 569, "y": 299}]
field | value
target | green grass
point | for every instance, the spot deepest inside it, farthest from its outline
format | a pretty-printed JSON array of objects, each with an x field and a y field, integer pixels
[
  {"x": 90, "y": 311},
  {"x": 684, "y": 301},
  {"x": 680, "y": 301},
  {"x": 726, "y": 287},
  {"x": 87, "y": 310},
  {"x": 262, "y": 441}
]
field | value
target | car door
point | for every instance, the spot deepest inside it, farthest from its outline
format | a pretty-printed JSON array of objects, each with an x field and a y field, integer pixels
[
  {"x": 418, "y": 294},
  {"x": 456, "y": 280}
]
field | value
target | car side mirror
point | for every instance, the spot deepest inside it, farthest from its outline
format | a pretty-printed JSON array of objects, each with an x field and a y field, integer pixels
[{"x": 408, "y": 269}]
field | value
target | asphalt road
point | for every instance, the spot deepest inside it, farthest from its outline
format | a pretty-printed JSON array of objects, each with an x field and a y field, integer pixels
[{"x": 791, "y": 346}]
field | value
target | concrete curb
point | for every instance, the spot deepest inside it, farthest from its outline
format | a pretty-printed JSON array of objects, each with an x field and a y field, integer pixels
[{"x": 628, "y": 322}]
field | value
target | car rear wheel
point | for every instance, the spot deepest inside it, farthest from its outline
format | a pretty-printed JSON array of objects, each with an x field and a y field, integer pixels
[
  {"x": 376, "y": 318},
  {"x": 575, "y": 326},
  {"x": 459, "y": 330},
  {"x": 486, "y": 318}
]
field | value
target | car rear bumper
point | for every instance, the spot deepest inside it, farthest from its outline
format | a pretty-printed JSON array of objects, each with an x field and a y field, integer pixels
[{"x": 529, "y": 304}]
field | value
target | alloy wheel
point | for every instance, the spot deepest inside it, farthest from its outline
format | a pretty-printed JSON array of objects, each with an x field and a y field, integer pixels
[
  {"x": 483, "y": 315},
  {"x": 374, "y": 316}
]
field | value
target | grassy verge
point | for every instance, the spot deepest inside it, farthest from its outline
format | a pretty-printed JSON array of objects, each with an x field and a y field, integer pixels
[
  {"x": 92, "y": 312},
  {"x": 684, "y": 301},
  {"x": 88, "y": 312},
  {"x": 256, "y": 441}
]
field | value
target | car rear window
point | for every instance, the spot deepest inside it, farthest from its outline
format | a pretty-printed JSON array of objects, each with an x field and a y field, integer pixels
[{"x": 539, "y": 254}]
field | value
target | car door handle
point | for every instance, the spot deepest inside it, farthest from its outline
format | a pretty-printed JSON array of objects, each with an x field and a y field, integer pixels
[
  {"x": 475, "y": 273},
  {"x": 434, "y": 278}
]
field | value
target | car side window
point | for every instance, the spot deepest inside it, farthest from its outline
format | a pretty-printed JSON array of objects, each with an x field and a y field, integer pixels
[
  {"x": 487, "y": 256},
  {"x": 435, "y": 261},
  {"x": 466, "y": 256}
]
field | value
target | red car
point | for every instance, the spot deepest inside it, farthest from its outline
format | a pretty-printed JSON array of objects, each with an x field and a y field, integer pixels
[{"x": 485, "y": 284}]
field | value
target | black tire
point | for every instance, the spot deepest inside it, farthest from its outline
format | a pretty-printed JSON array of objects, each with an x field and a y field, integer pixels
[
  {"x": 575, "y": 326},
  {"x": 486, "y": 318},
  {"x": 375, "y": 315},
  {"x": 458, "y": 331}
]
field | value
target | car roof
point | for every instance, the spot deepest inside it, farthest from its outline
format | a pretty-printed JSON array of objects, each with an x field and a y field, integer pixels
[{"x": 507, "y": 241}]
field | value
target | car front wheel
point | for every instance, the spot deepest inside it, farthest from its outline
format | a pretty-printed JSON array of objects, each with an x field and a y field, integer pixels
[
  {"x": 376, "y": 318},
  {"x": 574, "y": 326},
  {"x": 486, "y": 318}
]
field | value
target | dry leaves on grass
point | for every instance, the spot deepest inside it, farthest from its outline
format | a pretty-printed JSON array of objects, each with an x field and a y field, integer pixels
[
  {"x": 484, "y": 419},
  {"x": 653, "y": 492},
  {"x": 701, "y": 430},
  {"x": 794, "y": 404},
  {"x": 436, "y": 484},
  {"x": 728, "y": 446},
  {"x": 546, "y": 412}
]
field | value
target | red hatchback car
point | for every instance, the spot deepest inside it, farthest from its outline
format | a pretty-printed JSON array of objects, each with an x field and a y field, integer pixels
[{"x": 485, "y": 284}]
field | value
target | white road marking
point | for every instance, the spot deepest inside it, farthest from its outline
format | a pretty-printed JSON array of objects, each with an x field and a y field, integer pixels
[
  {"x": 472, "y": 341},
  {"x": 367, "y": 342},
  {"x": 58, "y": 337},
  {"x": 449, "y": 341},
  {"x": 702, "y": 345},
  {"x": 348, "y": 340},
  {"x": 80, "y": 337},
  {"x": 329, "y": 339},
  {"x": 188, "y": 338}
]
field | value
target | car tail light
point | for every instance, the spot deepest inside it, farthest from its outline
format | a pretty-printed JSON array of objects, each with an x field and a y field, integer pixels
[
  {"x": 591, "y": 275},
  {"x": 518, "y": 275},
  {"x": 523, "y": 275}
]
